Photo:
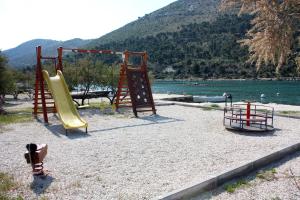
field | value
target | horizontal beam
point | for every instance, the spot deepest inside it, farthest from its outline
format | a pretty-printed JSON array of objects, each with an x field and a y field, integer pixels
[{"x": 92, "y": 51}]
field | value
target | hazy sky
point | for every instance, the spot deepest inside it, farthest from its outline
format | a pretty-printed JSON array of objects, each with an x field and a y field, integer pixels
[{"x": 23, "y": 20}]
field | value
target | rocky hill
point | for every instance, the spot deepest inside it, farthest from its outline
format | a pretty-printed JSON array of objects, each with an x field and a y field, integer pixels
[
  {"x": 167, "y": 19},
  {"x": 24, "y": 54}
]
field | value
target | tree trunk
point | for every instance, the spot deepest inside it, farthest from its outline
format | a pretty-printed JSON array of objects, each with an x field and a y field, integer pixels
[
  {"x": 2, "y": 111},
  {"x": 85, "y": 93},
  {"x": 15, "y": 95}
]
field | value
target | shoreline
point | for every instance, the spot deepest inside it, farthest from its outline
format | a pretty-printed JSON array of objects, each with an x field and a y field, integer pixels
[
  {"x": 233, "y": 79},
  {"x": 277, "y": 107},
  {"x": 24, "y": 102}
]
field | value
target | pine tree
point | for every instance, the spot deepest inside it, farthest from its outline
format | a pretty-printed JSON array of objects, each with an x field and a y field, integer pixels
[{"x": 274, "y": 29}]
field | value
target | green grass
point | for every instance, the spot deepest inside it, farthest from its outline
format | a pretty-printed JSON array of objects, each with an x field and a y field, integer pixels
[
  {"x": 268, "y": 175},
  {"x": 230, "y": 188},
  {"x": 104, "y": 107},
  {"x": 6, "y": 184},
  {"x": 17, "y": 116},
  {"x": 5, "y": 197},
  {"x": 289, "y": 112},
  {"x": 211, "y": 107},
  {"x": 214, "y": 106}
]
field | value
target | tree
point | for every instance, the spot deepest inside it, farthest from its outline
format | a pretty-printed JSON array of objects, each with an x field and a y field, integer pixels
[
  {"x": 88, "y": 74},
  {"x": 274, "y": 31},
  {"x": 2, "y": 68},
  {"x": 7, "y": 83}
]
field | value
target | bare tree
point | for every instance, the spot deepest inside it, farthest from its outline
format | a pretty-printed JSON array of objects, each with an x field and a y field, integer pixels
[{"x": 274, "y": 29}]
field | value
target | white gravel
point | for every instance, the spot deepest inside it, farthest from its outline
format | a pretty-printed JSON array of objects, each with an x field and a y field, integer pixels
[
  {"x": 284, "y": 184},
  {"x": 135, "y": 158}
]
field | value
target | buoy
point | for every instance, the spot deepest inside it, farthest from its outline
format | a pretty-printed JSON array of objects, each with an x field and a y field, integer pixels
[
  {"x": 277, "y": 94},
  {"x": 262, "y": 96}
]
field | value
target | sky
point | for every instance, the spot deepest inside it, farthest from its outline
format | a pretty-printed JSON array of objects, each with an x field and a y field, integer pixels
[{"x": 23, "y": 20}]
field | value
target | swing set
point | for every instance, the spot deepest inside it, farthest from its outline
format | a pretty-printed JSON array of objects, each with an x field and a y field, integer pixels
[{"x": 133, "y": 86}]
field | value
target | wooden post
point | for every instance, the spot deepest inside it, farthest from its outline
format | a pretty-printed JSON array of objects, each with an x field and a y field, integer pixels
[
  {"x": 37, "y": 74},
  {"x": 145, "y": 58},
  {"x": 59, "y": 57},
  {"x": 39, "y": 85}
]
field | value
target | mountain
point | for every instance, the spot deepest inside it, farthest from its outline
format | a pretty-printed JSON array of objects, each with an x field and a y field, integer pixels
[
  {"x": 167, "y": 19},
  {"x": 24, "y": 54}
]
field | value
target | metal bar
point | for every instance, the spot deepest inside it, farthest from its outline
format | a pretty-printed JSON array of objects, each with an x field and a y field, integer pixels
[
  {"x": 92, "y": 51},
  {"x": 248, "y": 114},
  {"x": 136, "y": 53},
  {"x": 241, "y": 122}
]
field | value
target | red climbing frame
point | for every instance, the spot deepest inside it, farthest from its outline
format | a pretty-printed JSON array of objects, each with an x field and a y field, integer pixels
[
  {"x": 43, "y": 101},
  {"x": 133, "y": 88}
]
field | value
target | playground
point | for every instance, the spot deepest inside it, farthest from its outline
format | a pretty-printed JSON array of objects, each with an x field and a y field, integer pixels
[
  {"x": 144, "y": 149},
  {"x": 124, "y": 157}
]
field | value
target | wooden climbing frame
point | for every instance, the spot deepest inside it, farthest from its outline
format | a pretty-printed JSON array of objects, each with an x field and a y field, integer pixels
[
  {"x": 133, "y": 87},
  {"x": 43, "y": 101}
]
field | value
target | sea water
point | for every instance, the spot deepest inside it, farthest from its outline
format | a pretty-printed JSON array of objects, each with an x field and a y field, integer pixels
[{"x": 281, "y": 92}]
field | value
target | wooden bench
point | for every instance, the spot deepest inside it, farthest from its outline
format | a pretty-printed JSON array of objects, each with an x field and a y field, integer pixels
[{"x": 90, "y": 95}]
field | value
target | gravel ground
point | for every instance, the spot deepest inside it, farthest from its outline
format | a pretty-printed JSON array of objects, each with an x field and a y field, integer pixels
[
  {"x": 283, "y": 184},
  {"x": 123, "y": 157}
]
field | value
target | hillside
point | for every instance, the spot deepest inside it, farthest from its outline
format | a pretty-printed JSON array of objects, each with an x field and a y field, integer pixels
[
  {"x": 167, "y": 19},
  {"x": 188, "y": 38},
  {"x": 24, "y": 54},
  {"x": 204, "y": 50}
]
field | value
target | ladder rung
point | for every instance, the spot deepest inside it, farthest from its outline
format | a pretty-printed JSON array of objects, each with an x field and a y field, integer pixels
[
  {"x": 144, "y": 106},
  {"x": 125, "y": 98},
  {"x": 48, "y": 108},
  {"x": 45, "y": 97},
  {"x": 126, "y": 102},
  {"x": 144, "y": 110},
  {"x": 125, "y": 106},
  {"x": 52, "y": 102},
  {"x": 48, "y": 111},
  {"x": 39, "y": 93}
]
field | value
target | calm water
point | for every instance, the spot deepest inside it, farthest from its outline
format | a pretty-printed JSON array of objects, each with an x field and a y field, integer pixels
[{"x": 283, "y": 92}]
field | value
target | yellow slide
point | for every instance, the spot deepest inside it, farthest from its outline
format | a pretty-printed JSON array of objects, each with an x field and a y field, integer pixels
[{"x": 63, "y": 101}]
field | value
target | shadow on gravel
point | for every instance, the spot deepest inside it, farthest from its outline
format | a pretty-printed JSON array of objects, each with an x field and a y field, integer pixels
[
  {"x": 59, "y": 130},
  {"x": 159, "y": 119},
  {"x": 152, "y": 120},
  {"x": 256, "y": 134},
  {"x": 40, "y": 184}
]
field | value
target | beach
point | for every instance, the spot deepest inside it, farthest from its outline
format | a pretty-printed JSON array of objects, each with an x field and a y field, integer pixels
[{"x": 123, "y": 157}]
